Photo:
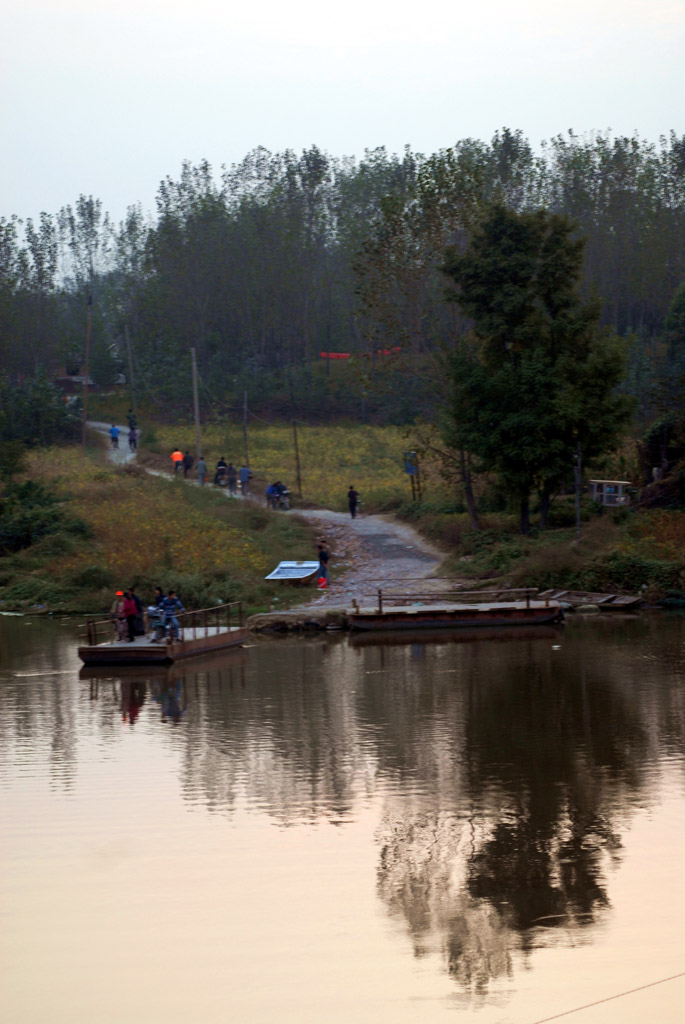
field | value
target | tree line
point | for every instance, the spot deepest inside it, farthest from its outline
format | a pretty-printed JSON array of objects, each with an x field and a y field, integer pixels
[{"x": 282, "y": 256}]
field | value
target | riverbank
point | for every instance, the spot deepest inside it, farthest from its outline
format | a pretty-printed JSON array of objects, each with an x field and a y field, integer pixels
[
  {"x": 625, "y": 549},
  {"x": 140, "y": 525}
]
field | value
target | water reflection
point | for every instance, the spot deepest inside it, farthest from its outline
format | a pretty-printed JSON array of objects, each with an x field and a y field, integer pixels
[{"x": 503, "y": 770}]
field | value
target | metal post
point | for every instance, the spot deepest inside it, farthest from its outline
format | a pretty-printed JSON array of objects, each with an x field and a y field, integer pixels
[
  {"x": 298, "y": 478},
  {"x": 130, "y": 372},
  {"x": 380, "y": 602},
  {"x": 247, "y": 460},
  {"x": 196, "y": 405},
  {"x": 85, "y": 384},
  {"x": 577, "y": 472}
]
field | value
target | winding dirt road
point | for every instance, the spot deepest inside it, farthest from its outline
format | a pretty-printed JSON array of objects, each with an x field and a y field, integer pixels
[{"x": 371, "y": 550}]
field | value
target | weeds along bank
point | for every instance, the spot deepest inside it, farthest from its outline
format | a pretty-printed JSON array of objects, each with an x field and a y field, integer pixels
[
  {"x": 627, "y": 551},
  {"x": 122, "y": 527}
]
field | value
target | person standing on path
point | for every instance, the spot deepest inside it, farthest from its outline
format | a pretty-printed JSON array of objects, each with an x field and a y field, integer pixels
[
  {"x": 244, "y": 475},
  {"x": 232, "y": 478},
  {"x": 188, "y": 463},
  {"x": 133, "y": 439},
  {"x": 352, "y": 501},
  {"x": 114, "y": 434},
  {"x": 177, "y": 459},
  {"x": 323, "y": 562},
  {"x": 201, "y": 470}
]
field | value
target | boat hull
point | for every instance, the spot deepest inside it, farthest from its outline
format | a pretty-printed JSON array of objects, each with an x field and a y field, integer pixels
[
  {"x": 145, "y": 652},
  {"x": 456, "y": 616}
]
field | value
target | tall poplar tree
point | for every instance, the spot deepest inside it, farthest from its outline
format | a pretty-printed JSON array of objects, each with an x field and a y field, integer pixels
[{"x": 536, "y": 387}]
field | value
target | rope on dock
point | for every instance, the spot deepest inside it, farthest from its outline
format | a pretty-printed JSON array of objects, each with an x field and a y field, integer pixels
[{"x": 619, "y": 995}]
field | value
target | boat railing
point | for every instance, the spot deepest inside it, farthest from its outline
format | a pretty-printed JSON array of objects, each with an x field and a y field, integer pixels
[
  {"x": 219, "y": 618},
  {"x": 395, "y": 597},
  {"x": 203, "y": 622}
]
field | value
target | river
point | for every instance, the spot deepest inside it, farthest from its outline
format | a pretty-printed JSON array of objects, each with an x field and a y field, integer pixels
[{"x": 333, "y": 829}]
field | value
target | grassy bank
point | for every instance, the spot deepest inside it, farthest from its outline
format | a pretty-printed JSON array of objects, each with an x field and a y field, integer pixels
[
  {"x": 140, "y": 530},
  {"x": 627, "y": 550}
]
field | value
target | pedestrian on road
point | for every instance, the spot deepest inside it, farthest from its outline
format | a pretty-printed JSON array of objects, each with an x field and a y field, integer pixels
[
  {"x": 201, "y": 470},
  {"x": 221, "y": 471},
  {"x": 232, "y": 478},
  {"x": 133, "y": 439},
  {"x": 177, "y": 459},
  {"x": 244, "y": 475},
  {"x": 132, "y": 423},
  {"x": 353, "y": 501},
  {"x": 188, "y": 463},
  {"x": 114, "y": 434}
]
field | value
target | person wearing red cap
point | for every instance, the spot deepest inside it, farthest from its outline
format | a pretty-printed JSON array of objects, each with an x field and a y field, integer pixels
[{"x": 118, "y": 615}]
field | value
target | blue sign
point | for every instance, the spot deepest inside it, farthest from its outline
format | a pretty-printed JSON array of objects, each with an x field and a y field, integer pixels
[{"x": 411, "y": 465}]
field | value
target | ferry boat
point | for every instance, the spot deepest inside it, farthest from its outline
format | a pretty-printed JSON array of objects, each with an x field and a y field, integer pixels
[{"x": 200, "y": 632}]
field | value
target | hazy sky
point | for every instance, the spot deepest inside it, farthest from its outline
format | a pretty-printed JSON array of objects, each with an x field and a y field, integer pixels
[{"x": 107, "y": 98}]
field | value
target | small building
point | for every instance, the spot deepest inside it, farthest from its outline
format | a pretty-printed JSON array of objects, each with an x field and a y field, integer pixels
[{"x": 610, "y": 492}]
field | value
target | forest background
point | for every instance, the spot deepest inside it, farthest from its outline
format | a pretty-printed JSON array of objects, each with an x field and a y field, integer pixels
[
  {"x": 282, "y": 257},
  {"x": 283, "y": 260}
]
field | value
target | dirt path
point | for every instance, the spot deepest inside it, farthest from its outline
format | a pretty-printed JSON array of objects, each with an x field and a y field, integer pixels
[{"x": 372, "y": 550}]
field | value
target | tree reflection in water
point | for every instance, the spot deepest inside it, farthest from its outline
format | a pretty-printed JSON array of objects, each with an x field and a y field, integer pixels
[{"x": 554, "y": 760}]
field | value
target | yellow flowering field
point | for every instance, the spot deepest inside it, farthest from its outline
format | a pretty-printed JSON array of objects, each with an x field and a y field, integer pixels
[
  {"x": 142, "y": 524},
  {"x": 331, "y": 458}
]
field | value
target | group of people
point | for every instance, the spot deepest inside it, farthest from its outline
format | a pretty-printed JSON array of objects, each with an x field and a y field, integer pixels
[
  {"x": 225, "y": 473},
  {"x": 133, "y": 433},
  {"x": 127, "y": 613}
]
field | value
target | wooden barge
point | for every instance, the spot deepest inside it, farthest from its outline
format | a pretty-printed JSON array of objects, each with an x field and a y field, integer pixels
[
  {"x": 200, "y": 632},
  {"x": 605, "y": 602},
  {"x": 411, "y": 611}
]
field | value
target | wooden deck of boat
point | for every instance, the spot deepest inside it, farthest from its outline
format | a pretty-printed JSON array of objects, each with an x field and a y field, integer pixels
[{"x": 144, "y": 650}]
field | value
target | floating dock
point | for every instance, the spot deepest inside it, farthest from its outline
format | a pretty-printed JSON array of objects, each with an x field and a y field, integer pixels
[{"x": 407, "y": 611}]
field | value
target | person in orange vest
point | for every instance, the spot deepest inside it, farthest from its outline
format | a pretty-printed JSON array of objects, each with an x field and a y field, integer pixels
[{"x": 177, "y": 459}]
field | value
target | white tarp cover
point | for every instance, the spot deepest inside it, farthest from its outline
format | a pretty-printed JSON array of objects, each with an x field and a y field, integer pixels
[{"x": 293, "y": 571}]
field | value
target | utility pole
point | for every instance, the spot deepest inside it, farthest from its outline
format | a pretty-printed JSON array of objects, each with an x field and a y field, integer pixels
[
  {"x": 247, "y": 460},
  {"x": 196, "y": 405},
  {"x": 298, "y": 478},
  {"x": 130, "y": 372},
  {"x": 577, "y": 473},
  {"x": 85, "y": 386}
]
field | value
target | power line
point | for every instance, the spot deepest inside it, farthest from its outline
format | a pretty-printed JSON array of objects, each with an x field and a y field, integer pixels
[{"x": 608, "y": 999}]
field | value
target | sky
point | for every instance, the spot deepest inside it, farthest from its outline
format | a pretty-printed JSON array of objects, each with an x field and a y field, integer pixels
[{"x": 108, "y": 97}]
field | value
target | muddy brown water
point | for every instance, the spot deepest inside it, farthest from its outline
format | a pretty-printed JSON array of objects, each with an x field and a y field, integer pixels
[{"x": 484, "y": 827}]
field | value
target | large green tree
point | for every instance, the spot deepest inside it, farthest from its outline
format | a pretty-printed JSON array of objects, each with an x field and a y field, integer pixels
[{"x": 535, "y": 386}]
